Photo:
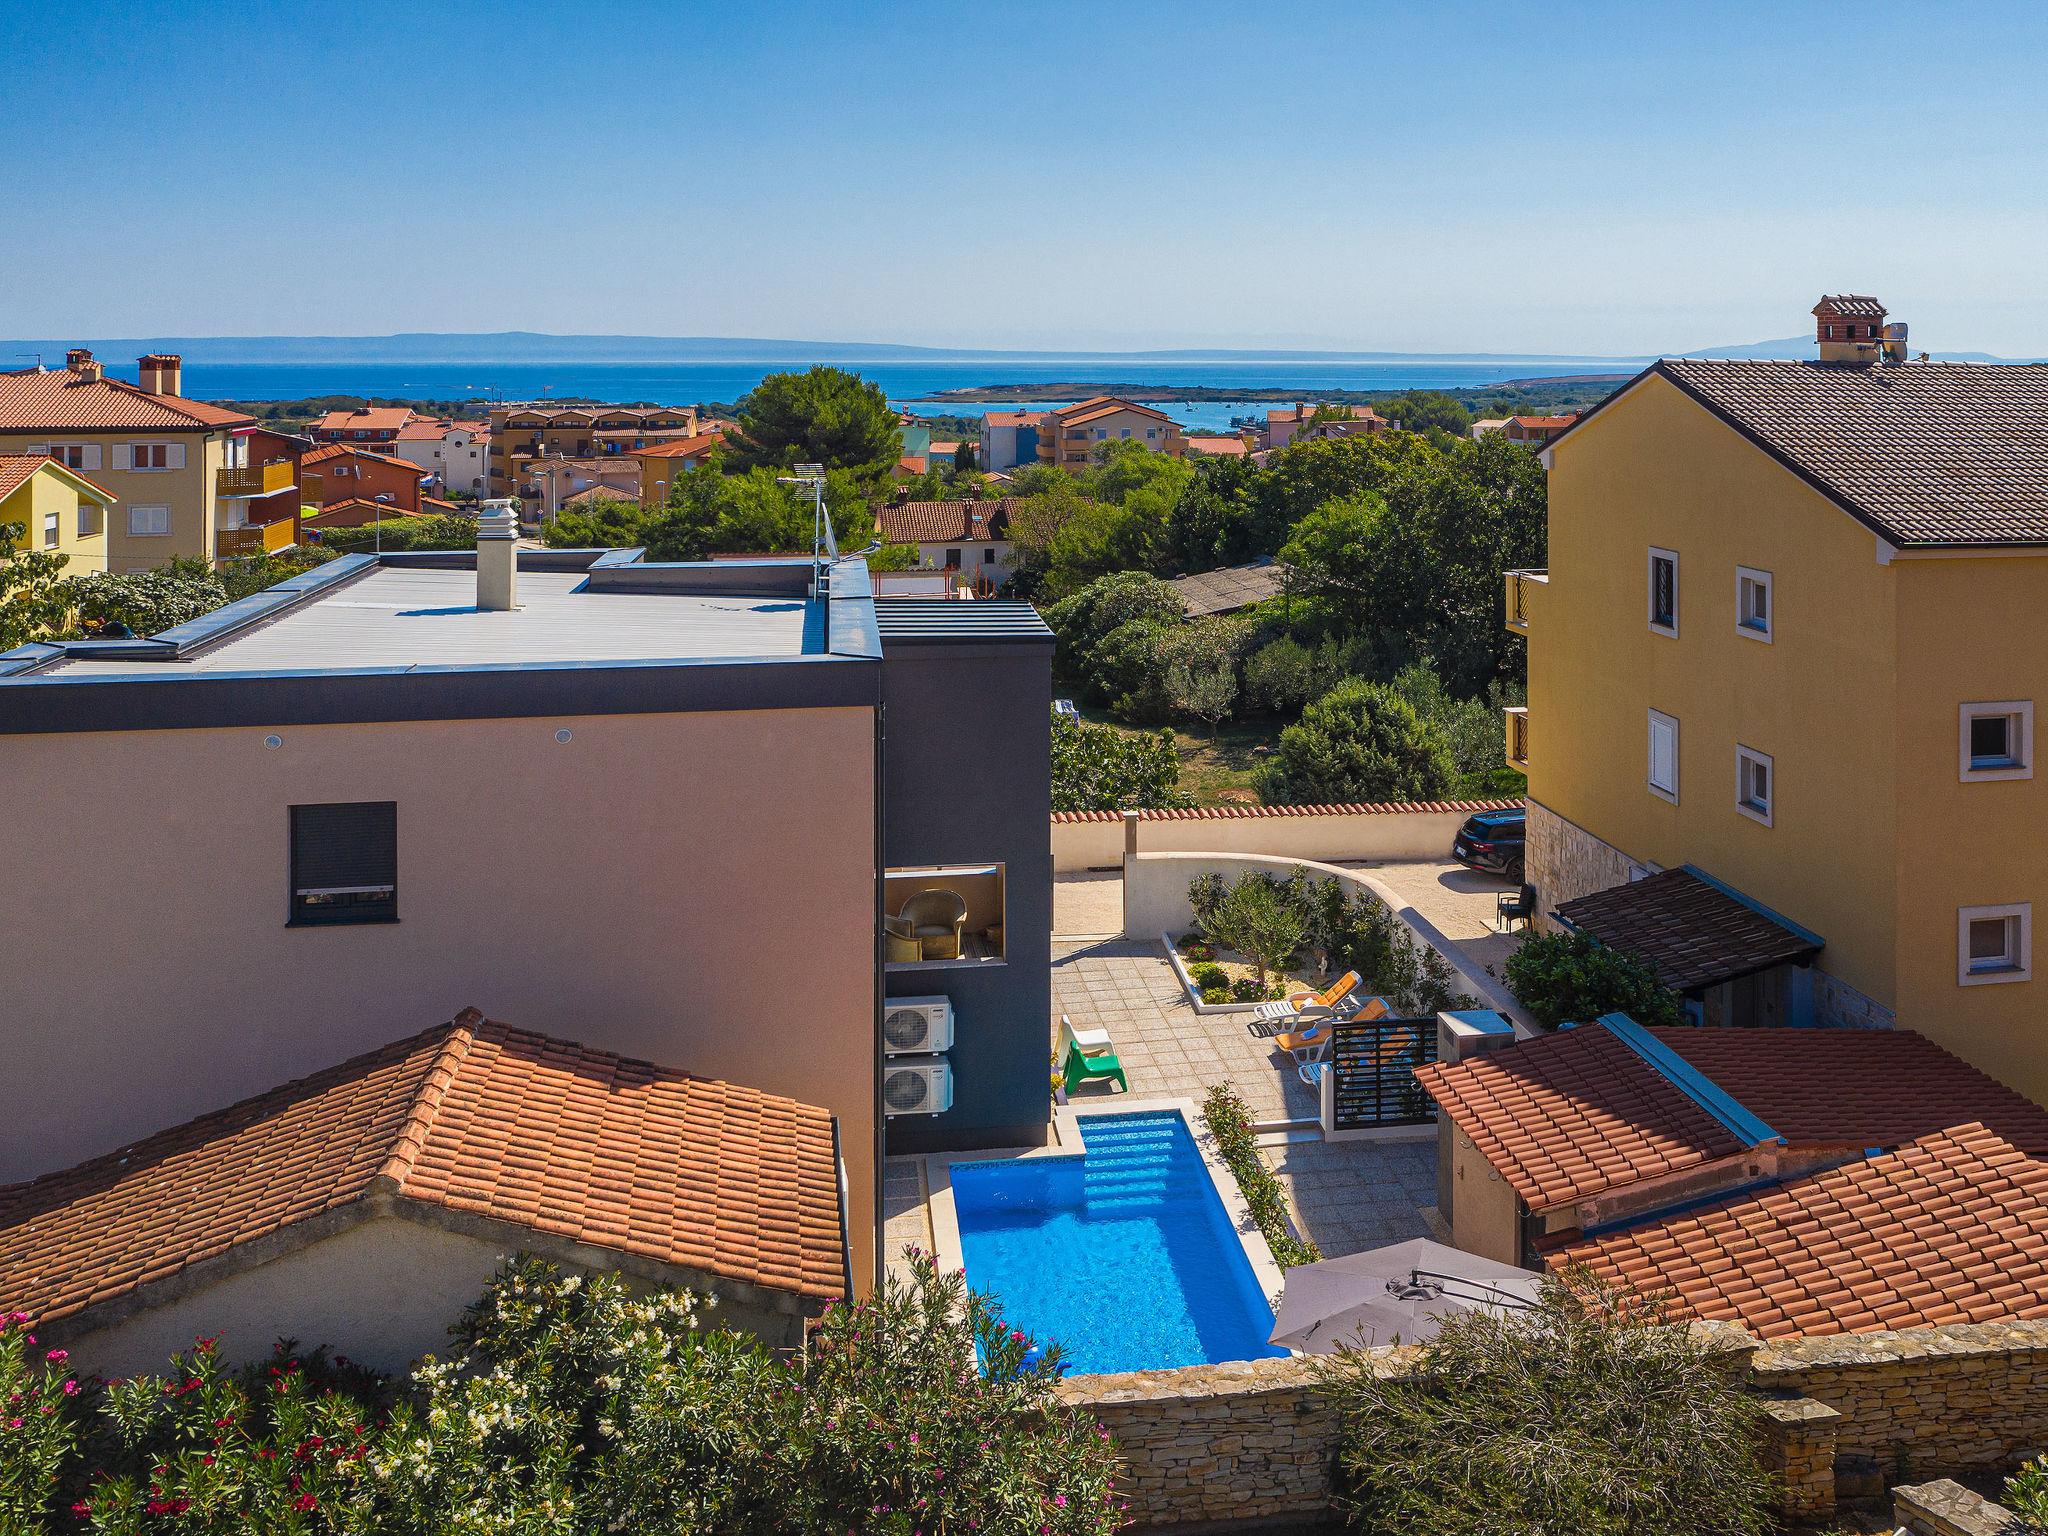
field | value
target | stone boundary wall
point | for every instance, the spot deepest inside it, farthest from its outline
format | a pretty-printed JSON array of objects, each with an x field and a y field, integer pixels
[
  {"x": 1564, "y": 862},
  {"x": 1396, "y": 832},
  {"x": 1220, "y": 1445}
]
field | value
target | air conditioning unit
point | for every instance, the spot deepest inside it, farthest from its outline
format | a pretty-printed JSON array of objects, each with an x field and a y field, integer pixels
[
  {"x": 916, "y": 1025},
  {"x": 917, "y": 1085}
]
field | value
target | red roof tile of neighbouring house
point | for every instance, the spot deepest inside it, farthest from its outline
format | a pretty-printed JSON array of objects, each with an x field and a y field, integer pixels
[
  {"x": 1222, "y": 447},
  {"x": 1013, "y": 418},
  {"x": 64, "y": 400},
  {"x": 1102, "y": 405},
  {"x": 377, "y": 418},
  {"x": 328, "y": 451},
  {"x": 355, "y": 512},
  {"x": 429, "y": 429},
  {"x": 1579, "y": 1113},
  {"x": 597, "y": 493},
  {"x": 928, "y": 522},
  {"x": 16, "y": 468},
  {"x": 1544, "y": 421},
  {"x": 1950, "y": 1228},
  {"x": 682, "y": 447},
  {"x": 1225, "y": 812},
  {"x": 472, "y": 1118},
  {"x": 910, "y": 464}
]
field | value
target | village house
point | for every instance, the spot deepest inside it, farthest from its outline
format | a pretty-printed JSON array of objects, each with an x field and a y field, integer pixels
[
  {"x": 1070, "y": 434},
  {"x": 1777, "y": 647},
  {"x": 338, "y": 472},
  {"x": 967, "y": 537},
  {"x": 59, "y": 510},
  {"x": 455, "y": 453}
]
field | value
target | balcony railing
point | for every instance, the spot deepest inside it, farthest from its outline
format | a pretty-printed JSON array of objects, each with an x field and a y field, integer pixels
[
  {"x": 1522, "y": 589},
  {"x": 1517, "y": 719},
  {"x": 256, "y": 480},
  {"x": 257, "y": 538}
]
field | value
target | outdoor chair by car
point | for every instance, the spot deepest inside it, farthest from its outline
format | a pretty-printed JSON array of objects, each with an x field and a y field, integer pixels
[
  {"x": 1081, "y": 1069},
  {"x": 1304, "y": 1007},
  {"x": 1513, "y": 906},
  {"x": 937, "y": 918}
]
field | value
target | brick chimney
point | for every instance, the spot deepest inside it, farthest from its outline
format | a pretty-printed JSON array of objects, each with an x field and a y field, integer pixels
[
  {"x": 1850, "y": 328},
  {"x": 80, "y": 361},
  {"x": 162, "y": 373}
]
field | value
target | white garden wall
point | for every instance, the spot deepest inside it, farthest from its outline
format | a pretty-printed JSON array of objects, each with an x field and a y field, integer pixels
[{"x": 1394, "y": 833}]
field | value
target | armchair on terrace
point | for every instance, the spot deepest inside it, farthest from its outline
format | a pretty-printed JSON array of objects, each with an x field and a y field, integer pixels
[
  {"x": 1509, "y": 907},
  {"x": 937, "y": 919}
]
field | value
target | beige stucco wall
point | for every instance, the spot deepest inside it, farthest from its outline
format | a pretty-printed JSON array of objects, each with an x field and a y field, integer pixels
[
  {"x": 695, "y": 889},
  {"x": 1653, "y": 468},
  {"x": 382, "y": 1292},
  {"x": 1485, "y": 1214},
  {"x": 1394, "y": 836},
  {"x": 49, "y": 492},
  {"x": 188, "y": 492},
  {"x": 1975, "y": 639}
]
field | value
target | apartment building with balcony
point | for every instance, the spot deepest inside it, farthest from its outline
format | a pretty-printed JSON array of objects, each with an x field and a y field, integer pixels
[
  {"x": 1785, "y": 643},
  {"x": 1069, "y": 434},
  {"x": 373, "y": 426},
  {"x": 521, "y": 433},
  {"x": 181, "y": 471},
  {"x": 58, "y": 510},
  {"x": 336, "y": 472},
  {"x": 667, "y": 811}
]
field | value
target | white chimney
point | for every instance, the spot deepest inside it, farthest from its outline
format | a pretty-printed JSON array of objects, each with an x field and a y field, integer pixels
[{"x": 497, "y": 558}]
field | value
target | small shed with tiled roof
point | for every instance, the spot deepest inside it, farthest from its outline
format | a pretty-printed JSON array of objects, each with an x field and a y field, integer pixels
[
  {"x": 366, "y": 1205},
  {"x": 1692, "y": 930}
]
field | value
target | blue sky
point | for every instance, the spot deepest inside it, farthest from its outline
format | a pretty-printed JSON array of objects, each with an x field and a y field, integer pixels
[{"x": 1562, "y": 178}]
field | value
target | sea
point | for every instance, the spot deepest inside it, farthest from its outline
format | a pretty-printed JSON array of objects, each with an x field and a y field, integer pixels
[{"x": 909, "y": 385}]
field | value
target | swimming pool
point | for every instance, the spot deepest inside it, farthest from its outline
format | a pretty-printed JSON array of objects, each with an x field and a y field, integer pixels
[{"x": 1124, "y": 1255}]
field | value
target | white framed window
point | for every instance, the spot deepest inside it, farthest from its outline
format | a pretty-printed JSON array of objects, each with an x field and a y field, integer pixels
[
  {"x": 1996, "y": 741},
  {"x": 1994, "y": 944},
  {"x": 1753, "y": 603},
  {"x": 1663, "y": 762},
  {"x": 1755, "y": 784},
  {"x": 49, "y": 530},
  {"x": 149, "y": 521},
  {"x": 1663, "y": 591}
]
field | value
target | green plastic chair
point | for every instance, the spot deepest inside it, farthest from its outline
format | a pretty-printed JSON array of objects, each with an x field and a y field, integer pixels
[{"x": 1079, "y": 1069}]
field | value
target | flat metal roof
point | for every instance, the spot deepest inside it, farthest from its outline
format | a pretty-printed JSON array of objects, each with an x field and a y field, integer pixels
[
  {"x": 393, "y": 616},
  {"x": 946, "y": 619}
]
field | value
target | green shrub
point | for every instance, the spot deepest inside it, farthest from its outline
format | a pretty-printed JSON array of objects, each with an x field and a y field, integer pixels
[
  {"x": 148, "y": 602},
  {"x": 1279, "y": 677},
  {"x": 1247, "y": 989},
  {"x": 1205, "y": 895},
  {"x": 2026, "y": 1494},
  {"x": 1565, "y": 978},
  {"x": 1257, "y": 919},
  {"x": 578, "y": 1406},
  {"x": 1588, "y": 1413},
  {"x": 1080, "y": 623},
  {"x": 1194, "y": 947},
  {"x": 1100, "y": 768},
  {"x": 1360, "y": 741},
  {"x": 1209, "y": 975},
  {"x": 1220, "y": 993},
  {"x": 1229, "y": 1120}
]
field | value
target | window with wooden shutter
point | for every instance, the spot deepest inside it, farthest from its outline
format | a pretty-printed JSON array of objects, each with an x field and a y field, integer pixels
[
  {"x": 1663, "y": 775},
  {"x": 344, "y": 863}
]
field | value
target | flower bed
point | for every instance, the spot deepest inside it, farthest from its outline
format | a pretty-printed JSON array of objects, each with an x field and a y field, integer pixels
[{"x": 1230, "y": 1121}]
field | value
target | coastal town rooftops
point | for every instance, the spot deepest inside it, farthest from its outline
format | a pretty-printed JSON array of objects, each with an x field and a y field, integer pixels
[
  {"x": 473, "y": 1125},
  {"x": 1937, "y": 455},
  {"x": 370, "y": 418},
  {"x": 1949, "y": 1228},
  {"x": 70, "y": 400},
  {"x": 1690, "y": 929},
  {"x": 328, "y": 452},
  {"x": 1595, "y": 1108}
]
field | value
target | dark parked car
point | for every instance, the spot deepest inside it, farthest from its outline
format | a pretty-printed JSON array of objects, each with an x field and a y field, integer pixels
[{"x": 1492, "y": 842}]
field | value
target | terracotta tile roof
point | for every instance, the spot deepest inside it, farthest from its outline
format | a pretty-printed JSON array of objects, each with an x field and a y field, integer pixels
[
  {"x": 16, "y": 468},
  {"x": 1940, "y": 454},
  {"x": 1688, "y": 929},
  {"x": 1951, "y": 1228},
  {"x": 1544, "y": 421},
  {"x": 1103, "y": 405},
  {"x": 327, "y": 451},
  {"x": 61, "y": 400},
  {"x": 358, "y": 511},
  {"x": 1226, "y": 447},
  {"x": 1013, "y": 418},
  {"x": 680, "y": 448},
  {"x": 1578, "y": 1113},
  {"x": 430, "y": 430},
  {"x": 910, "y": 464},
  {"x": 1850, "y": 306},
  {"x": 471, "y": 1117},
  {"x": 930, "y": 522},
  {"x": 380, "y": 418},
  {"x": 1571, "y": 1114}
]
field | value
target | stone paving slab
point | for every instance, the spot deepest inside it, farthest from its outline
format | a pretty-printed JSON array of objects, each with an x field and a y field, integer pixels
[
  {"x": 1349, "y": 1196},
  {"x": 906, "y": 1212}
]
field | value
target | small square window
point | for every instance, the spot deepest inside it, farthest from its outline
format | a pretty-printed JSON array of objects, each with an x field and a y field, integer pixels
[
  {"x": 1996, "y": 740},
  {"x": 1663, "y": 766},
  {"x": 1664, "y": 592},
  {"x": 1753, "y": 602},
  {"x": 344, "y": 863},
  {"x": 1753, "y": 784},
  {"x": 1994, "y": 944}
]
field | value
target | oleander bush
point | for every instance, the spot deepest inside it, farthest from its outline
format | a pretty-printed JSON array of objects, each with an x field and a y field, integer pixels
[
  {"x": 1591, "y": 1412},
  {"x": 575, "y": 1407},
  {"x": 1229, "y": 1120}
]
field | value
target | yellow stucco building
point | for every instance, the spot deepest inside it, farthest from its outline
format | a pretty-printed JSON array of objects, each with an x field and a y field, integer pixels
[
  {"x": 57, "y": 510},
  {"x": 1789, "y": 637},
  {"x": 1070, "y": 434}
]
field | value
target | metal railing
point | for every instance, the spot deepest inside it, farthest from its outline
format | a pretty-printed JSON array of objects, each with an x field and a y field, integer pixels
[
  {"x": 1520, "y": 596},
  {"x": 1372, "y": 1073}
]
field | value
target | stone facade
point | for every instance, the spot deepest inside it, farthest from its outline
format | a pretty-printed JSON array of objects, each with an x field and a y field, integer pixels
[
  {"x": 1845, "y": 1416},
  {"x": 1838, "y": 1005},
  {"x": 1564, "y": 861}
]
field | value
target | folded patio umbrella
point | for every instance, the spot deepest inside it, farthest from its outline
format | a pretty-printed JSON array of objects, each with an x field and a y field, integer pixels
[{"x": 1392, "y": 1294}]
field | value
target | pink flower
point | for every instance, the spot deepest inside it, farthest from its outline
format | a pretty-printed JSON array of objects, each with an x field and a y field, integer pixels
[
  {"x": 71, "y": 1389},
  {"x": 58, "y": 1356}
]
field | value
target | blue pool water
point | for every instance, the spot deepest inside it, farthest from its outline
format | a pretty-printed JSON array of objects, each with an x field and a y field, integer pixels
[{"x": 1124, "y": 1255}]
